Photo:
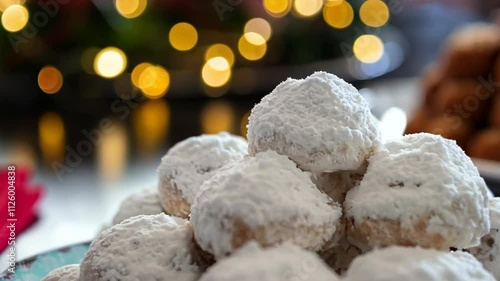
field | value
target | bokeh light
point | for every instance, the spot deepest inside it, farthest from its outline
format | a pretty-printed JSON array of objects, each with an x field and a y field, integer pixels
[
  {"x": 220, "y": 50},
  {"x": 154, "y": 82},
  {"x": 216, "y": 72},
  {"x": 130, "y": 8},
  {"x": 112, "y": 153},
  {"x": 374, "y": 13},
  {"x": 338, "y": 14},
  {"x": 183, "y": 36},
  {"x": 4, "y": 4},
  {"x": 151, "y": 122},
  {"x": 277, "y": 8},
  {"x": 252, "y": 46},
  {"x": 259, "y": 26},
  {"x": 244, "y": 123},
  {"x": 15, "y": 18},
  {"x": 51, "y": 137},
  {"x": 368, "y": 48},
  {"x": 307, "y": 8},
  {"x": 50, "y": 79},
  {"x": 110, "y": 62},
  {"x": 217, "y": 116},
  {"x": 393, "y": 123},
  {"x": 137, "y": 71}
]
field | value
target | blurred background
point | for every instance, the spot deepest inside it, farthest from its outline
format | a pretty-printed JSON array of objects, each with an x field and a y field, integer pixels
[{"x": 93, "y": 93}]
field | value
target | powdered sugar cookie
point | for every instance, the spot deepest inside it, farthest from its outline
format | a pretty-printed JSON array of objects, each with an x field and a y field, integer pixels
[
  {"x": 146, "y": 202},
  {"x": 189, "y": 163},
  {"x": 284, "y": 262},
  {"x": 471, "y": 51},
  {"x": 455, "y": 95},
  {"x": 429, "y": 82},
  {"x": 154, "y": 247},
  {"x": 320, "y": 122},
  {"x": 416, "y": 264},
  {"x": 420, "y": 190},
  {"x": 489, "y": 251},
  {"x": 265, "y": 198},
  {"x": 65, "y": 273}
]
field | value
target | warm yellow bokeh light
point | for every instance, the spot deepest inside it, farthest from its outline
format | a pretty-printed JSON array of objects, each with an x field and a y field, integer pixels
[
  {"x": 183, "y": 36},
  {"x": 151, "y": 122},
  {"x": 138, "y": 70},
  {"x": 374, "y": 13},
  {"x": 4, "y": 4},
  {"x": 259, "y": 26},
  {"x": 216, "y": 117},
  {"x": 255, "y": 38},
  {"x": 130, "y": 8},
  {"x": 333, "y": 2},
  {"x": 307, "y": 8},
  {"x": 110, "y": 62},
  {"x": 252, "y": 46},
  {"x": 218, "y": 63},
  {"x": 338, "y": 14},
  {"x": 244, "y": 123},
  {"x": 112, "y": 153},
  {"x": 368, "y": 48},
  {"x": 220, "y": 50},
  {"x": 216, "y": 72},
  {"x": 154, "y": 82},
  {"x": 15, "y": 18},
  {"x": 277, "y": 8},
  {"x": 51, "y": 137},
  {"x": 50, "y": 79}
]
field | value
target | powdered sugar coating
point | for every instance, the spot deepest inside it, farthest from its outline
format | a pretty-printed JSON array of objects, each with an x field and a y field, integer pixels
[
  {"x": 65, "y": 273},
  {"x": 494, "y": 208},
  {"x": 260, "y": 191},
  {"x": 419, "y": 176},
  {"x": 145, "y": 202},
  {"x": 321, "y": 122},
  {"x": 145, "y": 247},
  {"x": 284, "y": 262},
  {"x": 416, "y": 264},
  {"x": 192, "y": 161},
  {"x": 488, "y": 253}
]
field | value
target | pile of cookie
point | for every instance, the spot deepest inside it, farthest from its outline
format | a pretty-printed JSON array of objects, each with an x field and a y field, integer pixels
[
  {"x": 314, "y": 195},
  {"x": 461, "y": 92}
]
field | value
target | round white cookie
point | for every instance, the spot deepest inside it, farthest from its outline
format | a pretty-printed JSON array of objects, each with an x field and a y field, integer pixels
[
  {"x": 192, "y": 161},
  {"x": 420, "y": 190},
  {"x": 145, "y": 247},
  {"x": 265, "y": 198},
  {"x": 65, "y": 273},
  {"x": 146, "y": 202},
  {"x": 320, "y": 122},
  {"x": 284, "y": 262},
  {"x": 416, "y": 264}
]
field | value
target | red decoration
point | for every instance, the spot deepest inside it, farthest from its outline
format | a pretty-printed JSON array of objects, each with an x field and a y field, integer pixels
[{"x": 18, "y": 200}]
